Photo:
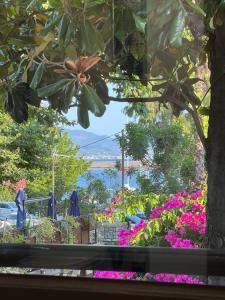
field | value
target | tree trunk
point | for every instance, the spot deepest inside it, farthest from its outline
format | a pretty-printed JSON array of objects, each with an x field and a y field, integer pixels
[
  {"x": 200, "y": 174},
  {"x": 216, "y": 143},
  {"x": 200, "y": 168}
]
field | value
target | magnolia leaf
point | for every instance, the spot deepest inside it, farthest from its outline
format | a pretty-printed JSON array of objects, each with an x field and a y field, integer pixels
[
  {"x": 176, "y": 30},
  {"x": 92, "y": 101},
  {"x": 50, "y": 25},
  {"x": 137, "y": 46},
  {"x": 69, "y": 34},
  {"x": 69, "y": 93},
  {"x": 37, "y": 76},
  {"x": 90, "y": 39},
  {"x": 140, "y": 23},
  {"x": 196, "y": 8},
  {"x": 102, "y": 91},
  {"x": 63, "y": 26},
  {"x": 83, "y": 116},
  {"x": 52, "y": 88},
  {"x": 34, "y": 53}
]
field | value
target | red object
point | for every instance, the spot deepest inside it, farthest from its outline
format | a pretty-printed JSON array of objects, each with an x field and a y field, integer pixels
[{"x": 21, "y": 184}]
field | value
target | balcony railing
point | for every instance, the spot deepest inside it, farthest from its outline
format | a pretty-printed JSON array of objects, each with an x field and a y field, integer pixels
[{"x": 202, "y": 262}]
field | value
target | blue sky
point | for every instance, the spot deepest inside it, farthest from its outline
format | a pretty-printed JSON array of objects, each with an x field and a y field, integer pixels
[{"x": 111, "y": 122}]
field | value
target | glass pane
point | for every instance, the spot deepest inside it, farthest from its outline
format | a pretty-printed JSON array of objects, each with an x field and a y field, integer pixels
[{"x": 105, "y": 107}]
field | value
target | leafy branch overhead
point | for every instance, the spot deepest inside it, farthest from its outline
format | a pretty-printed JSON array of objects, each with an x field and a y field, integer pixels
[{"x": 67, "y": 52}]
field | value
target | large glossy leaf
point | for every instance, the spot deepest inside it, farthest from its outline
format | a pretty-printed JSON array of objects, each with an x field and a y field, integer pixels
[
  {"x": 90, "y": 39},
  {"x": 196, "y": 8},
  {"x": 125, "y": 24},
  {"x": 93, "y": 102},
  {"x": 23, "y": 91},
  {"x": 37, "y": 76},
  {"x": 140, "y": 23},
  {"x": 69, "y": 34},
  {"x": 17, "y": 107},
  {"x": 176, "y": 30},
  {"x": 69, "y": 93},
  {"x": 82, "y": 116},
  {"x": 63, "y": 26},
  {"x": 52, "y": 22},
  {"x": 52, "y": 88},
  {"x": 137, "y": 45},
  {"x": 102, "y": 91}
]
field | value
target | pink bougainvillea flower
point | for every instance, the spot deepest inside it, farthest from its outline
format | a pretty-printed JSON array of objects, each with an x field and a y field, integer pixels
[{"x": 113, "y": 275}]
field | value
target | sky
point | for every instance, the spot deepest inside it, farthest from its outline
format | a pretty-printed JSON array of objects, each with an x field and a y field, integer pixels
[{"x": 111, "y": 122}]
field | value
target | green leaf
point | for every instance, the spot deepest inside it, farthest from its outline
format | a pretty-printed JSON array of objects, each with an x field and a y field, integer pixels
[
  {"x": 50, "y": 25},
  {"x": 82, "y": 116},
  {"x": 52, "y": 88},
  {"x": 137, "y": 47},
  {"x": 17, "y": 107},
  {"x": 55, "y": 4},
  {"x": 32, "y": 4},
  {"x": 176, "y": 30},
  {"x": 63, "y": 26},
  {"x": 125, "y": 24},
  {"x": 196, "y": 8},
  {"x": 140, "y": 23},
  {"x": 90, "y": 39},
  {"x": 69, "y": 93},
  {"x": 69, "y": 33},
  {"x": 71, "y": 52},
  {"x": 92, "y": 101},
  {"x": 107, "y": 30},
  {"x": 37, "y": 76},
  {"x": 102, "y": 91}
]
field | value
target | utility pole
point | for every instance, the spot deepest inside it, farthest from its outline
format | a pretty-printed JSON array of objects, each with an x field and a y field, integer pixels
[
  {"x": 53, "y": 182},
  {"x": 123, "y": 157}
]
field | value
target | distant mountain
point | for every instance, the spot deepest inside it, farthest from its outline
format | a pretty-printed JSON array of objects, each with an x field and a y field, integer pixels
[{"x": 106, "y": 149}]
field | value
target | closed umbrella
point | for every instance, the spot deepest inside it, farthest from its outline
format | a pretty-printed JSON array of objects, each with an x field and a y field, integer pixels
[
  {"x": 21, "y": 214},
  {"x": 74, "y": 209},
  {"x": 52, "y": 207}
]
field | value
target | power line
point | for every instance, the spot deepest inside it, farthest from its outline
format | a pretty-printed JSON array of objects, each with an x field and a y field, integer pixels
[{"x": 100, "y": 140}]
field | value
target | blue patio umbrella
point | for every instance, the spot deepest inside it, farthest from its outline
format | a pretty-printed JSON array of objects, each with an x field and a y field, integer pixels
[
  {"x": 21, "y": 214},
  {"x": 52, "y": 207},
  {"x": 74, "y": 209}
]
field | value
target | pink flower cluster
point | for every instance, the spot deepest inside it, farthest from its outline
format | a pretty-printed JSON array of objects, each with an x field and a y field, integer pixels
[
  {"x": 177, "y": 279},
  {"x": 194, "y": 221},
  {"x": 114, "y": 203},
  {"x": 113, "y": 275},
  {"x": 171, "y": 204},
  {"x": 177, "y": 242},
  {"x": 196, "y": 195},
  {"x": 124, "y": 236},
  {"x": 197, "y": 207},
  {"x": 176, "y": 202},
  {"x": 21, "y": 184}
]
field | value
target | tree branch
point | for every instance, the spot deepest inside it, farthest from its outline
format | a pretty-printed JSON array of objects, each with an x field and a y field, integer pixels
[
  {"x": 135, "y": 80},
  {"x": 163, "y": 99},
  {"x": 136, "y": 100}
]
